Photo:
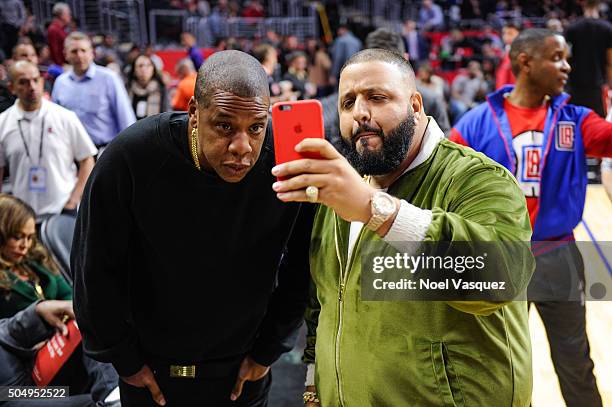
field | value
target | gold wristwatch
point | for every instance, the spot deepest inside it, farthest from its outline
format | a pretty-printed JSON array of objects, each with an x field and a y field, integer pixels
[{"x": 383, "y": 207}]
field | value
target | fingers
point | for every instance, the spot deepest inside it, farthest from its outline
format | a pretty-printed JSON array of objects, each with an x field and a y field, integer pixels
[
  {"x": 317, "y": 145},
  {"x": 62, "y": 328},
  {"x": 55, "y": 320},
  {"x": 64, "y": 314},
  {"x": 237, "y": 391},
  {"x": 69, "y": 310},
  {"x": 156, "y": 393},
  {"x": 297, "y": 196},
  {"x": 301, "y": 182},
  {"x": 145, "y": 378},
  {"x": 305, "y": 165}
]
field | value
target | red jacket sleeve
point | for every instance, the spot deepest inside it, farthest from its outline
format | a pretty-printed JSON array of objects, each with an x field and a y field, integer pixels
[
  {"x": 456, "y": 137},
  {"x": 596, "y": 136}
]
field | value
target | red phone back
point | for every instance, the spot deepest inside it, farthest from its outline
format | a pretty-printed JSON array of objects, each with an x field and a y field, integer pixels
[{"x": 292, "y": 122}]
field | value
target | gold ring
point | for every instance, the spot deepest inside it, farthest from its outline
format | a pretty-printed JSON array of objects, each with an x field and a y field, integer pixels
[{"x": 312, "y": 193}]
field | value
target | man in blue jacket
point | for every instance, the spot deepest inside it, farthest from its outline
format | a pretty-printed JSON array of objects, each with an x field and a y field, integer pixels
[{"x": 533, "y": 131}]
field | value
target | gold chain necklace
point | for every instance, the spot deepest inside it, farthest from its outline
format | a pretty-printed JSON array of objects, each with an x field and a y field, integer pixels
[{"x": 194, "y": 148}]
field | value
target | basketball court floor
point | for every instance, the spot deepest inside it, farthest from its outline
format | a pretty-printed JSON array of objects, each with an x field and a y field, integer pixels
[{"x": 546, "y": 393}]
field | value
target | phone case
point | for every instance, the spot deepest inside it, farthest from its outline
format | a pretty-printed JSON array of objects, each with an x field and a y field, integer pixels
[{"x": 292, "y": 122}]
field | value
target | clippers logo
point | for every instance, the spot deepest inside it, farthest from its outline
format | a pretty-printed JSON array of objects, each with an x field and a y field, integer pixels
[
  {"x": 527, "y": 148},
  {"x": 565, "y": 136},
  {"x": 531, "y": 167}
]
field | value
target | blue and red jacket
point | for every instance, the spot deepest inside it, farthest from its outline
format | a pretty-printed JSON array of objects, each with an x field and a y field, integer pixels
[{"x": 570, "y": 134}]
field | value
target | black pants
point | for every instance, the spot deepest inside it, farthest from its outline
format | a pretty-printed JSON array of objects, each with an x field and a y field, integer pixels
[
  {"x": 557, "y": 291},
  {"x": 198, "y": 392}
]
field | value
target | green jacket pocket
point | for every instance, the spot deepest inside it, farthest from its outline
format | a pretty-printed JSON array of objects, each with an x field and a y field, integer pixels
[{"x": 446, "y": 376}]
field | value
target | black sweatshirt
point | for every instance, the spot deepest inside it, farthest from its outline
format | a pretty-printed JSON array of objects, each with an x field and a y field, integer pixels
[{"x": 173, "y": 263}]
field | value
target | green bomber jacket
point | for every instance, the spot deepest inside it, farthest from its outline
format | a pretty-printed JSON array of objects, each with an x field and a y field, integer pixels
[{"x": 425, "y": 353}]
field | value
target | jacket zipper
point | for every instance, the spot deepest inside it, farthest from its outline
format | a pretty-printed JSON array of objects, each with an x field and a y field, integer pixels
[{"x": 342, "y": 285}]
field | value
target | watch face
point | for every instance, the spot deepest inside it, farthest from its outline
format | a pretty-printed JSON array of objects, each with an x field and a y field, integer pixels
[{"x": 383, "y": 204}]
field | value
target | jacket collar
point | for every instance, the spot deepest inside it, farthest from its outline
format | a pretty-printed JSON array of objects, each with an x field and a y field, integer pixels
[
  {"x": 497, "y": 98},
  {"x": 431, "y": 138}
]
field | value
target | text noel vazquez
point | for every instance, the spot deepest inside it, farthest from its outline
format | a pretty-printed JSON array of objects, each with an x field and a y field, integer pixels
[{"x": 446, "y": 284}]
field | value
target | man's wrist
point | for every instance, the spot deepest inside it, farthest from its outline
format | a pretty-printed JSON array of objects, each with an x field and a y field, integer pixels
[
  {"x": 386, "y": 226},
  {"x": 366, "y": 210}
]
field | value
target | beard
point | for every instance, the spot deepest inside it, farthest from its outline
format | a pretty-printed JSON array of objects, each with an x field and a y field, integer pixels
[{"x": 395, "y": 146}]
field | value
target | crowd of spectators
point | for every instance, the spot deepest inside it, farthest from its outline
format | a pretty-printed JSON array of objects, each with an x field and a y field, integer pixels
[{"x": 109, "y": 84}]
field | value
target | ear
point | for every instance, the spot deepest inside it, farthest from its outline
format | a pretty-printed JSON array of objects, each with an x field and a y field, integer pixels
[
  {"x": 11, "y": 88},
  {"x": 417, "y": 105},
  {"x": 524, "y": 62},
  {"x": 192, "y": 110}
]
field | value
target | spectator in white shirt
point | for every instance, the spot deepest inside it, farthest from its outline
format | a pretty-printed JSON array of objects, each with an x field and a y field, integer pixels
[{"x": 40, "y": 142}]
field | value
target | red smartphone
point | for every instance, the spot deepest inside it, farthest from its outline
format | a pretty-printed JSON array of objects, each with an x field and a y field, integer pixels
[{"x": 291, "y": 123}]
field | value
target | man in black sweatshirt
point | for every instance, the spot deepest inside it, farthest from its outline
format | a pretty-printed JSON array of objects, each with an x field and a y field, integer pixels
[{"x": 190, "y": 276}]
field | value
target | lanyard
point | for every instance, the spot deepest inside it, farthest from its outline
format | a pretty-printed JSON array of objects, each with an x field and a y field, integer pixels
[{"x": 42, "y": 132}]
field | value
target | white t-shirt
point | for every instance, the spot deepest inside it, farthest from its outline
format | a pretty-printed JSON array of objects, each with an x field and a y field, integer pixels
[{"x": 45, "y": 181}]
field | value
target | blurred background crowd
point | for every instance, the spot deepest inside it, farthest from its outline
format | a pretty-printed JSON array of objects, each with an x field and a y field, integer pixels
[{"x": 458, "y": 48}]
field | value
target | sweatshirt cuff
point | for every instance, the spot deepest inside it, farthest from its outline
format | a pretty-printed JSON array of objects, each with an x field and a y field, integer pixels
[
  {"x": 310, "y": 375},
  {"x": 126, "y": 357},
  {"x": 409, "y": 227},
  {"x": 266, "y": 353}
]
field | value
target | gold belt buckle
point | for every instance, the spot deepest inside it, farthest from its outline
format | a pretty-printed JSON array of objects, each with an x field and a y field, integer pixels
[{"x": 183, "y": 371}]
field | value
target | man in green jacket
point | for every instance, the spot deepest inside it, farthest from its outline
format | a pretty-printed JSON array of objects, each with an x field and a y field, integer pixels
[{"x": 420, "y": 188}]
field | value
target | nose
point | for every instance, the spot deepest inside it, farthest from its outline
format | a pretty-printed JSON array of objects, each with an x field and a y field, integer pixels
[
  {"x": 361, "y": 111},
  {"x": 566, "y": 67},
  {"x": 240, "y": 145},
  {"x": 25, "y": 243}
]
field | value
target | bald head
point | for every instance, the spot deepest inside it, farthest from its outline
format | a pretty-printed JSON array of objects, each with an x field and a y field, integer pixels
[
  {"x": 245, "y": 77},
  {"x": 17, "y": 68},
  {"x": 27, "y": 84},
  {"x": 392, "y": 57}
]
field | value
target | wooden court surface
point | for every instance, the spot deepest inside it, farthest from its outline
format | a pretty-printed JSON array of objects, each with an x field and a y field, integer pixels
[{"x": 546, "y": 393}]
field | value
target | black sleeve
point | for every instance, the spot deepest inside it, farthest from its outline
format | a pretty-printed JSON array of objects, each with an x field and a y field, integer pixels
[
  {"x": 100, "y": 263},
  {"x": 285, "y": 313},
  {"x": 24, "y": 330}
]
